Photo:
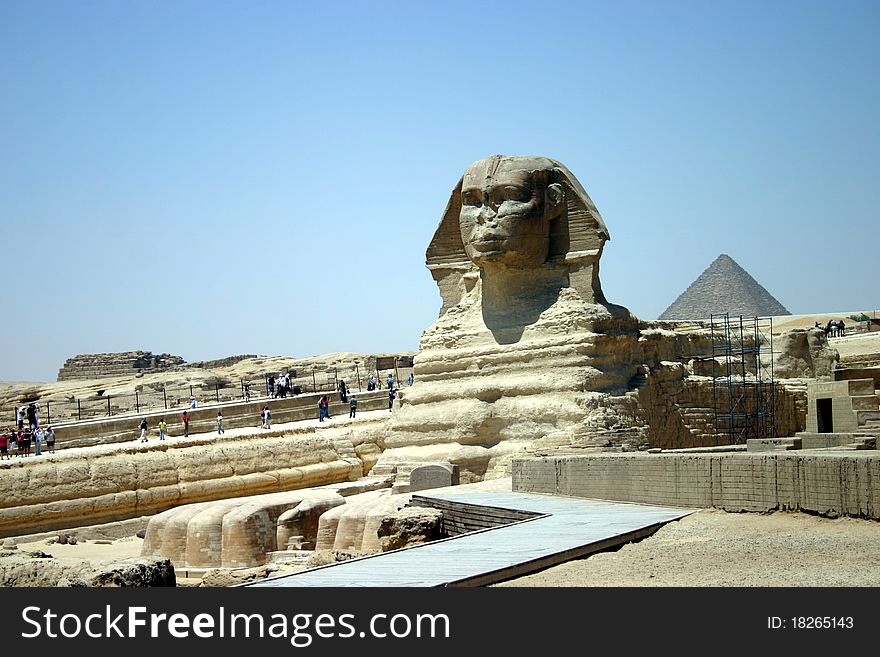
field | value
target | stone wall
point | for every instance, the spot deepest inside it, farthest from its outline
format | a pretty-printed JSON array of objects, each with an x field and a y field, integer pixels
[
  {"x": 842, "y": 484},
  {"x": 97, "y": 366},
  {"x": 104, "y": 484}
]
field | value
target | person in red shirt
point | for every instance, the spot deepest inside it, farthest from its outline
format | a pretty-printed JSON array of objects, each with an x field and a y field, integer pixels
[
  {"x": 185, "y": 424},
  {"x": 4, "y": 447}
]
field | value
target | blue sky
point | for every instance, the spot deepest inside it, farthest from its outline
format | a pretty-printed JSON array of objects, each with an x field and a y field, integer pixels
[{"x": 209, "y": 178}]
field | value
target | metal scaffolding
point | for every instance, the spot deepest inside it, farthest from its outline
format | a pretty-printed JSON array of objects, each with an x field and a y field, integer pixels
[{"x": 743, "y": 389}]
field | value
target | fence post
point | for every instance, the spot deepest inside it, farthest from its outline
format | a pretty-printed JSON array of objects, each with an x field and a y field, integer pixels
[
  {"x": 314, "y": 381},
  {"x": 191, "y": 392},
  {"x": 165, "y": 397},
  {"x": 358, "y": 372},
  {"x": 79, "y": 410},
  {"x": 217, "y": 391},
  {"x": 336, "y": 377},
  {"x": 137, "y": 402},
  {"x": 109, "y": 412},
  {"x": 48, "y": 414}
]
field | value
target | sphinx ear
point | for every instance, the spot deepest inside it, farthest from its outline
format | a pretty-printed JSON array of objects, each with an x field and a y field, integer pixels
[{"x": 554, "y": 199}]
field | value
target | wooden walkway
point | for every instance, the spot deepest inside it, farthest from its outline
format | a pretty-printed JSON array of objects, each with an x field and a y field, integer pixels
[{"x": 561, "y": 529}]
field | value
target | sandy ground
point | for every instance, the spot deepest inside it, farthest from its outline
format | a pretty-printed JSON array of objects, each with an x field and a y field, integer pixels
[{"x": 715, "y": 548}]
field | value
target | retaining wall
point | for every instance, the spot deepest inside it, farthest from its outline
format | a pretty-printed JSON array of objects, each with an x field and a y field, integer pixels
[{"x": 829, "y": 484}]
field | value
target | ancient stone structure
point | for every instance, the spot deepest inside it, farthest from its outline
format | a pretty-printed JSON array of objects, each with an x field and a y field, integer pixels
[
  {"x": 724, "y": 287},
  {"x": 526, "y": 343},
  {"x": 97, "y": 366},
  {"x": 845, "y": 483},
  {"x": 101, "y": 484},
  {"x": 435, "y": 475}
]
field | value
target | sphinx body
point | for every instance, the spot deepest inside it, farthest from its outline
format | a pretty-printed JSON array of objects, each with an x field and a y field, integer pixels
[{"x": 526, "y": 351}]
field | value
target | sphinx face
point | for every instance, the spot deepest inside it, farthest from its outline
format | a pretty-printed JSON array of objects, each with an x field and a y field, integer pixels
[{"x": 504, "y": 220}]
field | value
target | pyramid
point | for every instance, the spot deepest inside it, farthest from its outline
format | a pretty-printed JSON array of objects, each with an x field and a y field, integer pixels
[{"x": 724, "y": 287}]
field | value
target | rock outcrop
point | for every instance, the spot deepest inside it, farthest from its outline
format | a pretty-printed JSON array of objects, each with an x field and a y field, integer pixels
[
  {"x": 97, "y": 366},
  {"x": 35, "y": 569}
]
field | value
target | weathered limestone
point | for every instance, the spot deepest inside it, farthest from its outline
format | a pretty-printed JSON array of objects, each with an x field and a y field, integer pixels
[
  {"x": 99, "y": 485},
  {"x": 526, "y": 342},
  {"x": 804, "y": 353},
  {"x": 828, "y": 484},
  {"x": 23, "y": 569},
  {"x": 409, "y": 526},
  {"x": 437, "y": 475},
  {"x": 97, "y": 366},
  {"x": 244, "y": 532},
  {"x": 847, "y": 406},
  {"x": 528, "y": 356}
]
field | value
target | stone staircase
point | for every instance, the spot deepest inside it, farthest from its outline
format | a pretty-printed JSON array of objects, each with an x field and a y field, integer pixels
[{"x": 699, "y": 420}]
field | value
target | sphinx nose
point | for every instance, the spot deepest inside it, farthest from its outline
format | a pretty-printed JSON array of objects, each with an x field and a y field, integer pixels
[{"x": 487, "y": 213}]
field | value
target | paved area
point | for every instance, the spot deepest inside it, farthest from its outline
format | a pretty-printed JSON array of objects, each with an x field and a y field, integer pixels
[{"x": 565, "y": 528}]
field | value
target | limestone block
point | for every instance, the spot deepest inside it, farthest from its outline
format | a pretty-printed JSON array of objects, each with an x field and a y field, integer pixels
[
  {"x": 433, "y": 476},
  {"x": 303, "y": 519},
  {"x": 409, "y": 526}
]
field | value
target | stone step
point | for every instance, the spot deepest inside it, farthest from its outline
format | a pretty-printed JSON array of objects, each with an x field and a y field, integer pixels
[
  {"x": 773, "y": 444},
  {"x": 866, "y": 416},
  {"x": 866, "y": 403}
]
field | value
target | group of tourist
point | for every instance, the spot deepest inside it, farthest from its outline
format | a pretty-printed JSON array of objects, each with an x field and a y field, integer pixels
[
  {"x": 21, "y": 441},
  {"x": 834, "y": 328},
  {"x": 282, "y": 386}
]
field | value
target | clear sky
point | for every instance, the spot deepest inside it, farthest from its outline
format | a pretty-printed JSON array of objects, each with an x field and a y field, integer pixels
[{"x": 217, "y": 177}]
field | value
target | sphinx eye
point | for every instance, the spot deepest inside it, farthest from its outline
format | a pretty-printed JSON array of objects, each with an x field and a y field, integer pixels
[
  {"x": 469, "y": 198},
  {"x": 511, "y": 193}
]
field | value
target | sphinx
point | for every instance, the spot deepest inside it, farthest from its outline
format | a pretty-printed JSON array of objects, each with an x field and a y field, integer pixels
[{"x": 526, "y": 350}]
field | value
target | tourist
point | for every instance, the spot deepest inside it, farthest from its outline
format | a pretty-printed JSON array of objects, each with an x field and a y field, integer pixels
[
  {"x": 143, "y": 427},
  {"x": 162, "y": 428},
  {"x": 247, "y": 392},
  {"x": 390, "y": 382},
  {"x": 266, "y": 418},
  {"x": 192, "y": 402},
  {"x": 391, "y": 395},
  {"x": 185, "y": 424},
  {"x": 841, "y": 328},
  {"x": 4, "y": 447},
  {"x": 343, "y": 392},
  {"x": 371, "y": 384},
  {"x": 281, "y": 384},
  {"x": 32, "y": 416},
  {"x": 38, "y": 441},
  {"x": 219, "y": 422},
  {"x": 271, "y": 385},
  {"x": 24, "y": 442},
  {"x": 21, "y": 412},
  {"x": 411, "y": 378},
  {"x": 353, "y": 405},
  {"x": 50, "y": 439}
]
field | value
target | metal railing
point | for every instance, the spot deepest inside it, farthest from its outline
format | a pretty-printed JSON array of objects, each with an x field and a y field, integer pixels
[{"x": 153, "y": 397}]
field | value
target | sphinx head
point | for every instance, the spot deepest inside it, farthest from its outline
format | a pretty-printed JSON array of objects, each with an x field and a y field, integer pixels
[
  {"x": 517, "y": 213},
  {"x": 507, "y": 206}
]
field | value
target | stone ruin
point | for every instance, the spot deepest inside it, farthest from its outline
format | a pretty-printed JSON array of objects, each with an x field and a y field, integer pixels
[
  {"x": 527, "y": 358},
  {"x": 528, "y": 355},
  {"x": 98, "y": 366}
]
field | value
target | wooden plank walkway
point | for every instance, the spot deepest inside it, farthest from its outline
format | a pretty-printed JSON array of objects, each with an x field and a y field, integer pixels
[{"x": 562, "y": 529}]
